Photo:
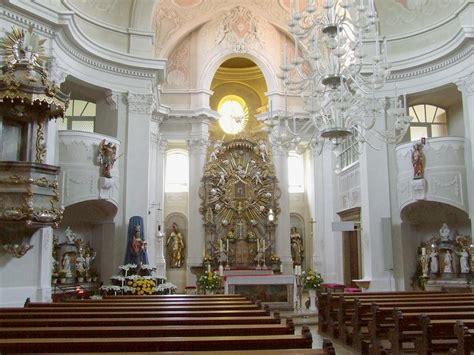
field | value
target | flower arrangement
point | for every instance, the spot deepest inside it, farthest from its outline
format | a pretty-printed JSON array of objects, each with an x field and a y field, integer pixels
[
  {"x": 251, "y": 237},
  {"x": 62, "y": 274},
  {"x": 311, "y": 279},
  {"x": 93, "y": 272},
  {"x": 209, "y": 281},
  {"x": 166, "y": 288},
  {"x": 275, "y": 260},
  {"x": 142, "y": 286},
  {"x": 207, "y": 260},
  {"x": 113, "y": 290},
  {"x": 127, "y": 267}
]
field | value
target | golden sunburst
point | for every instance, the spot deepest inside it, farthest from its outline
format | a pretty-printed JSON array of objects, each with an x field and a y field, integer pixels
[{"x": 19, "y": 46}]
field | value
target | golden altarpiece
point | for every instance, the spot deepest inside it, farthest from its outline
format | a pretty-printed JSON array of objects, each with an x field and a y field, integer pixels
[{"x": 240, "y": 194}]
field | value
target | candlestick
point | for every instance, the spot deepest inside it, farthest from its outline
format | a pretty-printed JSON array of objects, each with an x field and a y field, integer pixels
[
  {"x": 423, "y": 251},
  {"x": 227, "y": 245},
  {"x": 263, "y": 244},
  {"x": 258, "y": 245}
]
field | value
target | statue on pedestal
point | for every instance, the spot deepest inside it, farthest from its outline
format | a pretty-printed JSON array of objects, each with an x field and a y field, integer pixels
[
  {"x": 175, "y": 245},
  {"x": 434, "y": 262}
]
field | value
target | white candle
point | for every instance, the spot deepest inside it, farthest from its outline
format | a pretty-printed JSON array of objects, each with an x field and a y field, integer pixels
[
  {"x": 263, "y": 244},
  {"x": 227, "y": 245},
  {"x": 208, "y": 267},
  {"x": 258, "y": 244},
  {"x": 423, "y": 251},
  {"x": 220, "y": 245},
  {"x": 221, "y": 270}
]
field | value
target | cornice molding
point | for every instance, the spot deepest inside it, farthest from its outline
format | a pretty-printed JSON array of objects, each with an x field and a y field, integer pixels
[
  {"x": 434, "y": 66},
  {"x": 65, "y": 32}
]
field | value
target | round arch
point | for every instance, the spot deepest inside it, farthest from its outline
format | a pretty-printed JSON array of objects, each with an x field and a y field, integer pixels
[{"x": 209, "y": 70}]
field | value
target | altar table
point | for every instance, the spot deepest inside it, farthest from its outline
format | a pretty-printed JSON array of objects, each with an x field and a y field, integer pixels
[{"x": 278, "y": 291}]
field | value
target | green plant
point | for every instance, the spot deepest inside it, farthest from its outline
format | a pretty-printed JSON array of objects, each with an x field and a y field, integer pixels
[
  {"x": 311, "y": 280},
  {"x": 93, "y": 272},
  {"x": 62, "y": 274},
  {"x": 209, "y": 281}
]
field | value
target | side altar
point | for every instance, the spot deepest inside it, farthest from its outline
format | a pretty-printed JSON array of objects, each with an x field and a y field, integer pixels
[{"x": 445, "y": 261}]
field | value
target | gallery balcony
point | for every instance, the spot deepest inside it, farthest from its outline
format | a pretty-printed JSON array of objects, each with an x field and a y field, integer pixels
[
  {"x": 85, "y": 192},
  {"x": 442, "y": 190}
]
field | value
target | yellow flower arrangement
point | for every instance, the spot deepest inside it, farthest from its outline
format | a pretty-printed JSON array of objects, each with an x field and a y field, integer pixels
[{"x": 142, "y": 286}]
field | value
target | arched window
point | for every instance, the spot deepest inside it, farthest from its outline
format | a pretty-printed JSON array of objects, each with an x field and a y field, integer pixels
[
  {"x": 177, "y": 171},
  {"x": 234, "y": 114},
  {"x": 428, "y": 121},
  {"x": 295, "y": 173},
  {"x": 79, "y": 116}
]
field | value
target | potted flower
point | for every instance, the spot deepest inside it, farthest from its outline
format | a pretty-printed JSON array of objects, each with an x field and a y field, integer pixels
[
  {"x": 143, "y": 286},
  {"x": 80, "y": 275},
  {"x": 94, "y": 274},
  {"x": 276, "y": 263},
  {"x": 209, "y": 282},
  {"x": 62, "y": 276},
  {"x": 311, "y": 281}
]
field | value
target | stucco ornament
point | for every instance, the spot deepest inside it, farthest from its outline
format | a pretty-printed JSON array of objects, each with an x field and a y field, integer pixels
[{"x": 238, "y": 30}]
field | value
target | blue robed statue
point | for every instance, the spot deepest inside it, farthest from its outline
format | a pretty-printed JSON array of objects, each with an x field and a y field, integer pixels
[{"x": 136, "y": 244}]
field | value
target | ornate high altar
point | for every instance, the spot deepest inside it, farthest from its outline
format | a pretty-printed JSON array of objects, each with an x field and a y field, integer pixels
[{"x": 240, "y": 194}]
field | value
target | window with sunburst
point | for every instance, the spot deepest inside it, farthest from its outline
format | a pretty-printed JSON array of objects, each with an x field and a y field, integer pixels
[{"x": 234, "y": 114}]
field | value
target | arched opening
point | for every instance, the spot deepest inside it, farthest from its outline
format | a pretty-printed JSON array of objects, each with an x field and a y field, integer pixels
[{"x": 239, "y": 90}]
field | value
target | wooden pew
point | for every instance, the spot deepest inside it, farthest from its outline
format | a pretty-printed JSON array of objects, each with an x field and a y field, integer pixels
[
  {"x": 362, "y": 313},
  {"x": 139, "y": 344},
  {"x": 442, "y": 334},
  {"x": 168, "y": 321},
  {"x": 465, "y": 338},
  {"x": 329, "y": 303},
  {"x": 404, "y": 325},
  {"x": 146, "y": 331},
  {"x": 58, "y": 307}
]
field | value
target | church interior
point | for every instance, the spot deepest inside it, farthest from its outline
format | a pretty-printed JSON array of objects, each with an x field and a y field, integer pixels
[{"x": 256, "y": 149}]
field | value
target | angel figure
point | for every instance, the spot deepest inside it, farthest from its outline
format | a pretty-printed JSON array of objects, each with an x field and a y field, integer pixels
[
  {"x": 262, "y": 148},
  {"x": 217, "y": 149},
  {"x": 107, "y": 157}
]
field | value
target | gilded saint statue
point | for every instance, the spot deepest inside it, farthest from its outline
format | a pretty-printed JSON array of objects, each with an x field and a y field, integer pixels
[
  {"x": 175, "y": 245},
  {"x": 297, "y": 250}
]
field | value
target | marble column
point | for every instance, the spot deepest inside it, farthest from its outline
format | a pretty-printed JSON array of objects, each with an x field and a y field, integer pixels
[
  {"x": 466, "y": 86},
  {"x": 321, "y": 204},
  {"x": 377, "y": 262},
  {"x": 282, "y": 235},
  {"x": 160, "y": 194},
  {"x": 197, "y": 145},
  {"x": 137, "y": 152}
]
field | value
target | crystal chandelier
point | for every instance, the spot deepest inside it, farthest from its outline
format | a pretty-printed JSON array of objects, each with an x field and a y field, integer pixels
[{"x": 336, "y": 79}]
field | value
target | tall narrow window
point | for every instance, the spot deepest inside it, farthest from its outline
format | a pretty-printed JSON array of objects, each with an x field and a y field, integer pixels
[
  {"x": 295, "y": 173},
  {"x": 80, "y": 116},
  {"x": 428, "y": 121},
  {"x": 349, "y": 151},
  {"x": 177, "y": 171}
]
